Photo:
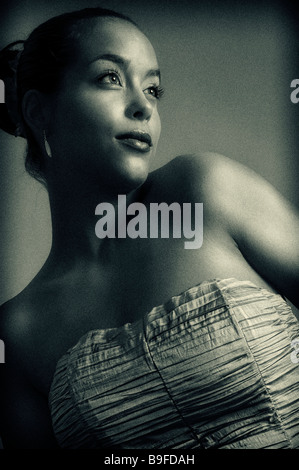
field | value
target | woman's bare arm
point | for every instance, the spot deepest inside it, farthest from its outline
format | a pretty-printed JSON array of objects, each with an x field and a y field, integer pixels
[
  {"x": 264, "y": 225},
  {"x": 24, "y": 414}
]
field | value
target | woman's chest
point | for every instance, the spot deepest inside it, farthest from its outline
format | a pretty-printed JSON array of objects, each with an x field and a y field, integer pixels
[{"x": 142, "y": 276}]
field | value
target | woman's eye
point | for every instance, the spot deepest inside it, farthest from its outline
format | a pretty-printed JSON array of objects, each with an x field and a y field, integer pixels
[
  {"x": 155, "y": 92},
  {"x": 110, "y": 78}
]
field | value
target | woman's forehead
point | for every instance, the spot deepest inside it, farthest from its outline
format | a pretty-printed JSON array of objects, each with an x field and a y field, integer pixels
[{"x": 116, "y": 37}]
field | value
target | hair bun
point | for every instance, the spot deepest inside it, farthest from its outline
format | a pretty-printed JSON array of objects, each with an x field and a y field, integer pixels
[{"x": 9, "y": 115}]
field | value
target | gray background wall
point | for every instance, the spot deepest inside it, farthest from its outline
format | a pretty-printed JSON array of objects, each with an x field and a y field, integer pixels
[{"x": 227, "y": 69}]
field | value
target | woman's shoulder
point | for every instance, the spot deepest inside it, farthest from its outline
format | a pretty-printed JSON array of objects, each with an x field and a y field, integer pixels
[
  {"x": 199, "y": 176},
  {"x": 20, "y": 328},
  {"x": 16, "y": 325}
]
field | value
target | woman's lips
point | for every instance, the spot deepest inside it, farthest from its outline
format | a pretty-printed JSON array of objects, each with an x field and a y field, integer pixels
[{"x": 140, "y": 141}]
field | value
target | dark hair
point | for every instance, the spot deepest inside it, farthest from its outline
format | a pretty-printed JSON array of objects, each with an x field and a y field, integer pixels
[{"x": 40, "y": 65}]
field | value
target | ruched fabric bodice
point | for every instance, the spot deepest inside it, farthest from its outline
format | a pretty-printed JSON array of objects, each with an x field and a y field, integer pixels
[{"x": 210, "y": 368}]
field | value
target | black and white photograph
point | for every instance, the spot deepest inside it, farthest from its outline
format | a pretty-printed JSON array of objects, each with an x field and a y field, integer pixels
[{"x": 149, "y": 227}]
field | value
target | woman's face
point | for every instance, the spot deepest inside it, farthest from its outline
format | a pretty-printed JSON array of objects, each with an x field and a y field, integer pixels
[{"x": 105, "y": 123}]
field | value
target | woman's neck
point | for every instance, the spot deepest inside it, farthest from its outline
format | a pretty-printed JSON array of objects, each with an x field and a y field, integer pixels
[{"x": 73, "y": 222}]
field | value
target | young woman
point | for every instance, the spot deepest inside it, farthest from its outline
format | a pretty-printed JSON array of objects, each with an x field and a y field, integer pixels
[{"x": 138, "y": 342}]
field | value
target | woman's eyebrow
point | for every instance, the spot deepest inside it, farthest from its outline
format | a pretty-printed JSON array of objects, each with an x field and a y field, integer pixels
[
  {"x": 124, "y": 63},
  {"x": 111, "y": 57},
  {"x": 153, "y": 73}
]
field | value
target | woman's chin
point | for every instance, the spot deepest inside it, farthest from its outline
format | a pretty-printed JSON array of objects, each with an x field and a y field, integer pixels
[
  {"x": 124, "y": 179},
  {"x": 134, "y": 173}
]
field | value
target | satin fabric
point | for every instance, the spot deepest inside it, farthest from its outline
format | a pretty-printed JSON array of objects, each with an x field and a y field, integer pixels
[{"x": 210, "y": 368}]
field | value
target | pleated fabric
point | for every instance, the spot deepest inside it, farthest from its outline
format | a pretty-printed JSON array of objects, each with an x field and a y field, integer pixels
[{"x": 210, "y": 368}]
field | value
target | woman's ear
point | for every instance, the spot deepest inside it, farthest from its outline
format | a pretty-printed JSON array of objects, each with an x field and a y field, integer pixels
[{"x": 33, "y": 108}]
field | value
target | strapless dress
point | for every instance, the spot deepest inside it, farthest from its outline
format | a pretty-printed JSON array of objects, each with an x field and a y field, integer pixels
[{"x": 214, "y": 367}]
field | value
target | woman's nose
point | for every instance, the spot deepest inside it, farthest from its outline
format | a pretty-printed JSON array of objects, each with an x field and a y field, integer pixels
[{"x": 139, "y": 107}]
